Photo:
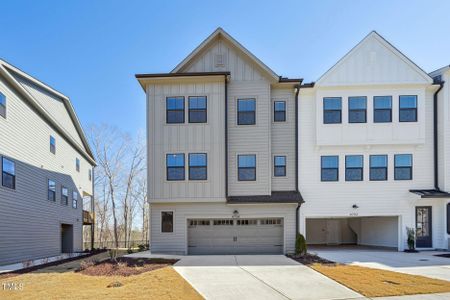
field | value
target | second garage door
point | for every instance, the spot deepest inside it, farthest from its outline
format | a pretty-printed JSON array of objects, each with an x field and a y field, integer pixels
[{"x": 235, "y": 236}]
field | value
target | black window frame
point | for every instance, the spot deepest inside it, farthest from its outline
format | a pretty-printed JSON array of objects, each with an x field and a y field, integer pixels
[
  {"x": 448, "y": 218},
  {"x": 357, "y": 110},
  {"x": 3, "y": 105},
  {"x": 197, "y": 110},
  {"x": 403, "y": 167},
  {"x": 5, "y": 173},
  {"x": 64, "y": 198},
  {"x": 322, "y": 168},
  {"x": 371, "y": 178},
  {"x": 275, "y": 111},
  {"x": 415, "y": 109},
  {"x": 164, "y": 215},
  {"x": 50, "y": 191},
  {"x": 375, "y": 110},
  {"x": 175, "y": 167},
  {"x": 246, "y": 168},
  {"x": 205, "y": 167},
  {"x": 241, "y": 112},
  {"x": 77, "y": 164},
  {"x": 325, "y": 110},
  {"x": 74, "y": 199},
  {"x": 282, "y": 167},
  {"x": 168, "y": 111},
  {"x": 52, "y": 144},
  {"x": 347, "y": 168}
]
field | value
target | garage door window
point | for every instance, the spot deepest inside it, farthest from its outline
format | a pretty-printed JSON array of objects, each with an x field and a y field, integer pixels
[
  {"x": 223, "y": 222},
  {"x": 167, "y": 221},
  {"x": 246, "y": 222},
  {"x": 193, "y": 223},
  {"x": 270, "y": 222}
]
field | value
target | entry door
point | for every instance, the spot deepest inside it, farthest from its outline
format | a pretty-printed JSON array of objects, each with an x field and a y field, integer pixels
[
  {"x": 333, "y": 232},
  {"x": 423, "y": 227}
]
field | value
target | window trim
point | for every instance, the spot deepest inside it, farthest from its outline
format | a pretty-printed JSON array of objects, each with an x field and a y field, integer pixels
[
  {"x": 322, "y": 168},
  {"x": 3, "y": 106},
  {"x": 238, "y": 168},
  {"x": 13, "y": 175},
  {"x": 173, "y": 222},
  {"x": 354, "y": 168},
  {"x": 62, "y": 195},
  {"x": 189, "y": 166},
  {"x": 382, "y": 109},
  {"x": 357, "y": 110},
  {"x": 416, "y": 109},
  {"x": 184, "y": 110},
  {"x": 167, "y": 167},
  {"x": 410, "y": 168},
  {"x": 275, "y": 166},
  {"x": 331, "y": 110},
  {"x": 237, "y": 111},
  {"x": 387, "y": 167},
  {"x": 48, "y": 190},
  {"x": 197, "y": 110},
  {"x": 284, "y": 111}
]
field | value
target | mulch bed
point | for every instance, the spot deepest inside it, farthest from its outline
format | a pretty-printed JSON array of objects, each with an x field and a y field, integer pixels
[
  {"x": 309, "y": 259},
  {"x": 125, "y": 266},
  {"x": 447, "y": 255}
]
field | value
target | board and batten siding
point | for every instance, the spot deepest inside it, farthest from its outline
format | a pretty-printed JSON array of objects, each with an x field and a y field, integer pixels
[{"x": 30, "y": 225}]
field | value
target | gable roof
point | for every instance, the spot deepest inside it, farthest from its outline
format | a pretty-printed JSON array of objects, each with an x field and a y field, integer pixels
[
  {"x": 440, "y": 71},
  {"x": 375, "y": 35},
  {"x": 13, "y": 75},
  {"x": 219, "y": 32}
]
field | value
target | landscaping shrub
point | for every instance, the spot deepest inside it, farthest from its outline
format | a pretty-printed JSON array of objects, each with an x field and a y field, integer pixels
[
  {"x": 300, "y": 245},
  {"x": 410, "y": 232},
  {"x": 129, "y": 251}
]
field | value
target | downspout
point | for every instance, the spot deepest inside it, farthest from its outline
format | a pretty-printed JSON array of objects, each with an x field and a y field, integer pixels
[
  {"x": 297, "y": 211},
  {"x": 435, "y": 127},
  {"x": 93, "y": 209},
  {"x": 226, "y": 136}
]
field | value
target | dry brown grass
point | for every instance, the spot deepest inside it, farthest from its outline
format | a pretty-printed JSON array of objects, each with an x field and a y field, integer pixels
[
  {"x": 163, "y": 283},
  {"x": 377, "y": 283}
]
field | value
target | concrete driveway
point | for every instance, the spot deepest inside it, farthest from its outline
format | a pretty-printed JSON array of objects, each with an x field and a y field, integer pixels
[
  {"x": 424, "y": 263},
  {"x": 258, "y": 277}
]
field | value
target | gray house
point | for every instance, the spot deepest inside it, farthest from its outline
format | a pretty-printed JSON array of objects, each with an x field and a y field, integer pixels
[{"x": 46, "y": 167}]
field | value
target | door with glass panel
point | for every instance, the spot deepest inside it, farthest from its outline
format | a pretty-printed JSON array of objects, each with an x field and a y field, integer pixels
[{"x": 423, "y": 227}]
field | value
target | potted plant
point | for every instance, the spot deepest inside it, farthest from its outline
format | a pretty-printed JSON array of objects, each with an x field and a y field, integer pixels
[{"x": 411, "y": 239}]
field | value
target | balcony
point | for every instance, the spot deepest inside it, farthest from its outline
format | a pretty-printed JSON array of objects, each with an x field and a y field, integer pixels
[{"x": 88, "y": 217}]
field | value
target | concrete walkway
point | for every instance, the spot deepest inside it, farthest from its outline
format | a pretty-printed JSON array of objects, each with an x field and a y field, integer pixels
[{"x": 258, "y": 277}]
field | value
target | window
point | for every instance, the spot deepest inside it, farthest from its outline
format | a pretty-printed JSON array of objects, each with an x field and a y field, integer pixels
[
  {"x": 198, "y": 166},
  {"x": 52, "y": 145},
  {"x": 51, "y": 190},
  {"x": 378, "y": 167},
  {"x": 174, "y": 110},
  {"x": 194, "y": 223},
  {"x": 2, "y": 105},
  {"x": 382, "y": 109},
  {"x": 224, "y": 222},
  {"x": 246, "y": 222},
  {"x": 246, "y": 167},
  {"x": 167, "y": 221},
  {"x": 246, "y": 111},
  {"x": 74, "y": 199},
  {"x": 279, "y": 166},
  {"x": 357, "y": 109},
  {"x": 8, "y": 173},
  {"x": 330, "y": 168},
  {"x": 403, "y": 167},
  {"x": 90, "y": 174},
  {"x": 77, "y": 164},
  {"x": 197, "y": 110},
  {"x": 175, "y": 166},
  {"x": 64, "y": 196},
  {"x": 279, "y": 111},
  {"x": 408, "y": 109},
  {"x": 332, "y": 110},
  {"x": 270, "y": 222},
  {"x": 354, "y": 166}
]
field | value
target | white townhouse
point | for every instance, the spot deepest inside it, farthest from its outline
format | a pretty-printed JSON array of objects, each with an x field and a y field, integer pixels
[{"x": 46, "y": 171}]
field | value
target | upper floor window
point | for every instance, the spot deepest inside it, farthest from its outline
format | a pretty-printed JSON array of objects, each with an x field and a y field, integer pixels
[
  {"x": 382, "y": 109},
  {"x": 52, "y": 145},
  {"x": 90, "y": 174},
  {"x": 175, "y": 166},
  {"x": 51, "y": 190},
  {"x": 8, "y": 173},
  {"x": 77, "y": 164},
  {"x": 197, "y": 110},
  {"x": 279, "y": 111},
  {"x": 2, "y": 105},
  {"x": 332, "y": 110},
  {"x": 408, "y": 109},
  {"x": 354, "y": 166},
  {"x": 279, "y": 168},
  {"x": 198, "y": 166},
  {"x": 247, "y": 167},
  {"x": 378, "y": 167},
  {"x": 357, "y": 109},
  {"x": 174, "y": 110},
  {"x": 74, "y": 199},
  {"x": 403, "y": 167},
  {"x": 167, "y": 221},
  {"x": 329, "y": 168},
  {"x": 64, "y": 195},
  {"x": 246, "y": 111}
]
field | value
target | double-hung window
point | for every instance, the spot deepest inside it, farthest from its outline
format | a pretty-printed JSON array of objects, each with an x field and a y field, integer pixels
[
  {"x": 279, "y": 111},
  {"x": 246, "y": 111},
  {"x": 197, "y": 109},
  {"x": 357, "y": 109},
  {"x": 403, "y": 166},
  {"x": 64, "y": 195},
  {"x": 378, "y": 167},
  {"x": 74, "y": 199},
  {"x": 354, "y": 166},
  {"x": 8, "y": 173},
  {"x": 174, "y": 110},
  {"x": 175, "y": 166},
  {"x": 90, "y": 174},
  {"x": 247, "y": 167},
  {"x": 77, "y": 164},
  {"x": 382, "y": 109},
  {"x": 2, "y": 105},
  {"x": 408, "y": 109},
  {"x": 332, "y": 110},
  {"x": 329, "y": 168},
  {"x": 279, "y": 168},
  {"x": 198, "y": 166},
  {"x": 51, "y": 190},
  {"x": 52, "y": 144},
  {"x": 167, "y": 221}
]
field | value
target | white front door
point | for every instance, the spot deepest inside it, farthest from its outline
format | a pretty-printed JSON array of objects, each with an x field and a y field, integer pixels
[{"x": 333, "y": 232}]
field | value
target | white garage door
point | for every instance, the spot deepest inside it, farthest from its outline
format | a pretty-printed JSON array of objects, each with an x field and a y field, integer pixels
[{"x": 241, "y": 236}]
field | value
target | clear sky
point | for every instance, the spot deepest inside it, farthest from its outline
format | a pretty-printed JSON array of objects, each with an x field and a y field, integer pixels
[{"x": 90, "y": 50}]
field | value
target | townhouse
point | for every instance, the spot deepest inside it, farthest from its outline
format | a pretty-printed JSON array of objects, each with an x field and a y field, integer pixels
[{"x": 47, "y": 171}]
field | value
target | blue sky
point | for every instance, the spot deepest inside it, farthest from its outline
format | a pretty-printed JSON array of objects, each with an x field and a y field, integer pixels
[{"x": 90, "y": 50}]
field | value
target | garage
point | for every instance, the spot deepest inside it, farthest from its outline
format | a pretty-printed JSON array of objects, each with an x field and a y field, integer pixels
[
  {"x": 379, "y": 231},
  {"x": 235, "y": 236}
]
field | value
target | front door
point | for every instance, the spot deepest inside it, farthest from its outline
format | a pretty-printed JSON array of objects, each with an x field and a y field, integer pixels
[{"x": 423, "y": 227}]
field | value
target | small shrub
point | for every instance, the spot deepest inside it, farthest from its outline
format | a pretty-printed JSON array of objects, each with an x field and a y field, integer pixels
[
  {"x": 411, "y": 238},
  {"x": 142, "y": 247},
  {"x": 300, "y": 245},
  {"x": 129, "y": 251}
]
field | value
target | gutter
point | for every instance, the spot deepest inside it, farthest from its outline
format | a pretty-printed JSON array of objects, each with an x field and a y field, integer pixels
[{"x": 435, "y": 137}]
